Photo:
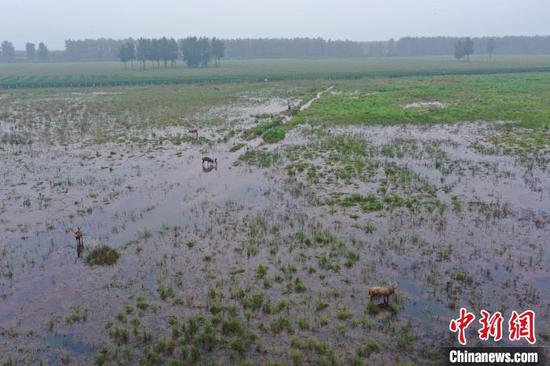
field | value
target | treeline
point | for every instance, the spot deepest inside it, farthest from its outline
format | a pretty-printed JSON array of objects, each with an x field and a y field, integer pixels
[
  {"x": 196, "y": 52},
  {"x": 443, "y": 46},
  {"x": 292, "y": 48},
  {"x": 154, "y": 50},
  {"x": 9, "y": 54},
  {"x": 102, "y": 49}
]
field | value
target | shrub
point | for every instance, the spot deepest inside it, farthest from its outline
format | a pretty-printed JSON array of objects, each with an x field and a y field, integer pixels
[
  {"x": 102, "y": 256},
  {"x": 273, "y": 135},
  {"x": 232, "y": 325},
  {"x": 373, "y": 308},
  {"x": 77, "y": 314}
]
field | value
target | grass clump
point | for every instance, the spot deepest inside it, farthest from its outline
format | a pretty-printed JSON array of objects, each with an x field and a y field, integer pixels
[
  {"x": 406, "y": 337},
  {"x": 141, "y": 303},
  {"x": 262, "y": 159},
  {"x": 281, "y": 323},
  {"x": 232, "y": 326},
  {"x": 368, "y": 203},
  {"x": 262, "y": 128},
  {"x": 273, "y": 135},
  {"x": 261, "y": 271},
  {"x": 102, "y": 256},
  {"x": 367, "y": 348},
  {"x": 77, "y": 314},
  {"x": 373, "y": 308},
  {"x": 102, "y": 357},
  {"x": 320, "y": 304}
]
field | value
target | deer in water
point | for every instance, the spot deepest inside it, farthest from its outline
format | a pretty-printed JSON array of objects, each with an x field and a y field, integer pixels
[
  {"x": 78, "y": 235},
  {"x": 209, "y": 161},
  {"x": 385, "y": 292}
]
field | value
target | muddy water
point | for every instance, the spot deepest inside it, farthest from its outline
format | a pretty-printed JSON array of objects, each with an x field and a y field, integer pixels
[
  {"x": 159, "y": 199},
  {"x": 507, "y": 207},
  {"x": 116, "y": 193},
  {"x": 473, "y": 174},
  {"x": 40, "y": 276}
]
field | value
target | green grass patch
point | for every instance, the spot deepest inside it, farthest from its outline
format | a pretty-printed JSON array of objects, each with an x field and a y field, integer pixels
[
  {"x": 102, "y": 256},
  {"x": 273, "y": 135},
  {"x": 513, "y": 97},
  {"x": 262, "y": 159}
]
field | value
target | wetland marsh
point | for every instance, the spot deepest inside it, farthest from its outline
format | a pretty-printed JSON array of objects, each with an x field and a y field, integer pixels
[{"x": 438, "y": 184}]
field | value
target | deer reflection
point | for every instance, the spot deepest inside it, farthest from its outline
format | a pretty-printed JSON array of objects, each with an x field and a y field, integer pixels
[{"x": 209, "y": 168}]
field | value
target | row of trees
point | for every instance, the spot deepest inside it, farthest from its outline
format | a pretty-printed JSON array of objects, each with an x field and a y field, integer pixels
[
  {"x": 154, "y": 50},
  {"x": 292, "y": 48},
  {"x": 8, "y": 54},
  {"x": 7, "y": 51},
  {"x": 464, "y": 48},
  {"x": 199, "y": 54},
  {"x": 433, "y": 46},
  {"x": 33, "y": 54},
  {"x": 102, "y": 49},
  {"x": 196, "y": 52}
]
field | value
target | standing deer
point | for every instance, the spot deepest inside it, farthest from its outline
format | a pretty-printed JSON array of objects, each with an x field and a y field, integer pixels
[
  {"x": 78, "y": 235},
  {"x": 385, "y": 292}
]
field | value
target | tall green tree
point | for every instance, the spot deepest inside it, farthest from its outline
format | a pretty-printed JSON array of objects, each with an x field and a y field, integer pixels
[
  {"x": 191, "y": 51},
  {"x": 43, "y": 52},
  {"x": 131, "y": 49},
  {"x": 154, "y": 51},
  {"x": 205, "y": 50},
  {"x": 468, "y": 47},
  {"x": 173, "y": 51},
  {"x": 163, "y": 45},
  {"x": 218, "y": 49},
  {"x": 197, "y": 52},
  {"x": 459, "y": 50},
  {"x": 142, "y": 52},
  {"x": 126, "y": 52},
  {"x": 491, "y": 47},
  {"x": 8, "y": 51},
  {"x": 464, "y": 48},
  {"x": 30, "y": 49}
]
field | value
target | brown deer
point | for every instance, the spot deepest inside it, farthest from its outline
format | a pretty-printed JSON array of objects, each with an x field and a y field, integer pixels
[
  {"x": 385, "y": 292},
  {"x": 78, "y": 235}
]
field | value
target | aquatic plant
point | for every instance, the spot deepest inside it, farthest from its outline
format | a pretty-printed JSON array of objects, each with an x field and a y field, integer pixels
[
  {"x": 273, "y": 135},
  {"x": 102, "y": 256}
]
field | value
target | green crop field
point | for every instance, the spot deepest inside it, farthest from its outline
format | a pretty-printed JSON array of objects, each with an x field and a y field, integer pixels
[{"x": 113, "y": 73}]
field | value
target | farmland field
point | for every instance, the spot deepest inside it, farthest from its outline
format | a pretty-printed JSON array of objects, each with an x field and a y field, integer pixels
[
  {"x": 439, "y": 184},
  {"x": 95, "y": 74}
]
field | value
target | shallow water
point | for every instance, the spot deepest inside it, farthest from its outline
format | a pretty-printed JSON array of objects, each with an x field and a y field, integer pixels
[{"x": 160, "y": 199}]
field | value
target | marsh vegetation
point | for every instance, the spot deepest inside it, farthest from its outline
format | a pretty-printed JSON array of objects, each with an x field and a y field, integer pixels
[{"x": 268, "y": 259}]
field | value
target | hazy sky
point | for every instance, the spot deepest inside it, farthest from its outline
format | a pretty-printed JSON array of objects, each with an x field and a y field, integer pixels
[{"x": 53, "y": 21}]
